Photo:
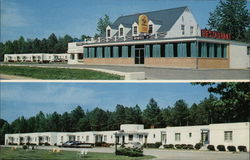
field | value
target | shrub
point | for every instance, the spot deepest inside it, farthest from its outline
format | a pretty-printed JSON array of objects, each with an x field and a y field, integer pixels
[
  {"x": 198, "y": 146},
  {"x": 231, "y": 148},
  {"x": 25, "y": 147},
  {"x": 170, "y": 146},
  {"x": 131, "y": 152},
  {"x": 100, "y": 144},
  {"x": 242, "y": 148},
  {"x": 153, "y": 145},
  {"x": 184, "y": 146},
  {"x": 178, "y": 146},
  {"x": 46, "y": 144},
  {"x": 211, "y": 147},
  {"x": 221, "y": 148},
  {"x": 190, "y": 146},
  {"x": 158, "y": 144}
]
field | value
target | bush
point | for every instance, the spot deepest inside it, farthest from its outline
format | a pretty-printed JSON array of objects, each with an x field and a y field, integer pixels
[
  {"x": 231, "y": 148},
  {"x": 221, "y": 148},
  {"x": 131, "y": 152},
  {"x": 169, "y": 146},
  {"x": 190, "y": 146},
  {"x": 198, "y": 146},
  {"x": 178, "y": 146},
  {"x": 184, "y": 146},
  {"x": 46, "y": 144},
  {"x": 242, "y": 148},
  {"x": 25, "y": 147},
  {"x": 211, "y": 147},
  {"x": 153, "y": 145},
  {"x": 101, "y": 144}
]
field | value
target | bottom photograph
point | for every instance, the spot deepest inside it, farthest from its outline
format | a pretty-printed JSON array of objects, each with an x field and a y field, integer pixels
[{"x": 158, "y": 121}]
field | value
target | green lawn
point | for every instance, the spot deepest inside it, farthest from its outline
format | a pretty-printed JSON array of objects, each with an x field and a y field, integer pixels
[
  {"x": 7, "y": 153},
  {"x": 58, "y": 73}
]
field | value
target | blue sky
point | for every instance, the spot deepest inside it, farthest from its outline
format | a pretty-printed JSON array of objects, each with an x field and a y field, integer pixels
[
  {"x": 27, "y": 99},
  {"x": 40, "y": 18}
]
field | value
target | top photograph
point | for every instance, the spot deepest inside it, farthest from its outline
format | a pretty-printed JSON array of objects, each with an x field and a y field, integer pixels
[{"x": 143, "y": 40}]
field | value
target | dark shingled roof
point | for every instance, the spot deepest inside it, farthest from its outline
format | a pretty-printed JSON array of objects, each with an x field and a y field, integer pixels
[{"x": 166, "y": 18}]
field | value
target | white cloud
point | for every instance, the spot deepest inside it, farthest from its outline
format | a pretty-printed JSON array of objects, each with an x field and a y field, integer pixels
[{"x": 12, "y": 15}]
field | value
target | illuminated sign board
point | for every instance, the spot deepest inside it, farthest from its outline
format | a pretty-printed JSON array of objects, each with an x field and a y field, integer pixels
[
  {"x": 213, "y": 34},
  {"x": 143, "y": 24}
]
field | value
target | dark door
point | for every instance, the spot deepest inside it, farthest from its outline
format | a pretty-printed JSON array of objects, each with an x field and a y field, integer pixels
[{"x": 139, "y": 55}]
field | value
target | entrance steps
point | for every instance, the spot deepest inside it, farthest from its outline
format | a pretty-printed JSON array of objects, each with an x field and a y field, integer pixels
[{"x": 204, "y": 148}]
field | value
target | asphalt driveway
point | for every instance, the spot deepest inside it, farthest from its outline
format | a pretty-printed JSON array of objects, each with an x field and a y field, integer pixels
[{"x": 157, "y": 73}]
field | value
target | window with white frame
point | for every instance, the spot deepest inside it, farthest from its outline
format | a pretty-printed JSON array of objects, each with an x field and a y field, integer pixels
[
  {"x": 183, "y": 29},
  {"x": 78, "y": 138},
  {"x": 191, "y": 30},
  {"x": 130, "y": 137},
  {"x": 177, "y": 136},
  {"x": 108, "y": 33},
  {"x": 150, "y": 28},
  {"x": 121, "y": 31},
  {"x": 154, "y": 135},
  {"x": 228, "y": 135},
  {"x": 105, "y": 138},
  {"x": 135, "y": 30},
  {"x": 190, "y": 135}
]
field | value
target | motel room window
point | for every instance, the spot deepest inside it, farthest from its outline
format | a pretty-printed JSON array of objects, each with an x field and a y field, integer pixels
[
  {"x": 108, "y": 34},
  {"x": 78, "y": 138},
  {"x": 190, "y": 135},
  {"x": 177, "y": 136},
  {"x": 154, "y": 135},
  {"x": 111, "y": 137},
  {"x": 248, "y": 50},
  {"x": 183, "y": 29},
  {"x": 121, "y": 32},
  {"x": 228, "y": 135},
  {"x": 105, "y": 138},
  {"x": 87, "y": 138},
  {"x": 130, "y": 137},
  {"x": 135, "y": 30},
  {"x": 150, "y": 28},
  {"x": 191, "y": 30}
]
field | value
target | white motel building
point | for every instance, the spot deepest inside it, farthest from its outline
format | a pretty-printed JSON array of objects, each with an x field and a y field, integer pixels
[
  {"x": 165, "y": 38},
  {"x": 236, "y": 134},
  {"x": 36, "y": 57}
]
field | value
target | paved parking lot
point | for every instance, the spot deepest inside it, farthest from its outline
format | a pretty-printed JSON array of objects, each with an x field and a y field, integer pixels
[{"x": 154, "y": 73}]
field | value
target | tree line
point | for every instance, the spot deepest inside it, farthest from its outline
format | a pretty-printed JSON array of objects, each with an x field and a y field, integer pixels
[{"x": 227, "y": 102}]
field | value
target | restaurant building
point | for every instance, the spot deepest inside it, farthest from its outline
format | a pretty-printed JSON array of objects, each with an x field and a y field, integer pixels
[{"x": 164, "y": 38}]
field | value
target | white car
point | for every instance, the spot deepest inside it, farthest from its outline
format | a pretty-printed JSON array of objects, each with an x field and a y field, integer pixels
[{"x": 133, "y": 145}]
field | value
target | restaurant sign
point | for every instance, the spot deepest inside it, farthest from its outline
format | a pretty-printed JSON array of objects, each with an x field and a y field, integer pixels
[
  {"x": 143, "y": 24},
  {"x": 214, "y": 34}
]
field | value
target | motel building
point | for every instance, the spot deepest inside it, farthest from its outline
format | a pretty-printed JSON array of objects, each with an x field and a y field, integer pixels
[
  {"x": 227, "y": 134},
  {"x": 165, "y": 38},
  {"x": 36, "y": 57}
]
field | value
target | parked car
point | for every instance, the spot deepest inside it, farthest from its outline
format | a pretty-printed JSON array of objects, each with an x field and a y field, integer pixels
[
  {"x": 133, "y": 145},
  {"x": 68, "y": 144}
]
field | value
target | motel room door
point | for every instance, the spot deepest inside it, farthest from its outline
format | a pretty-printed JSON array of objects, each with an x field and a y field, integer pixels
[{"x": 139, "y": 54}]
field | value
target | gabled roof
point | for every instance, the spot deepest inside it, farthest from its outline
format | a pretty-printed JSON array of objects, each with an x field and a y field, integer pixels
[{"x": 166, "y": 17}]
